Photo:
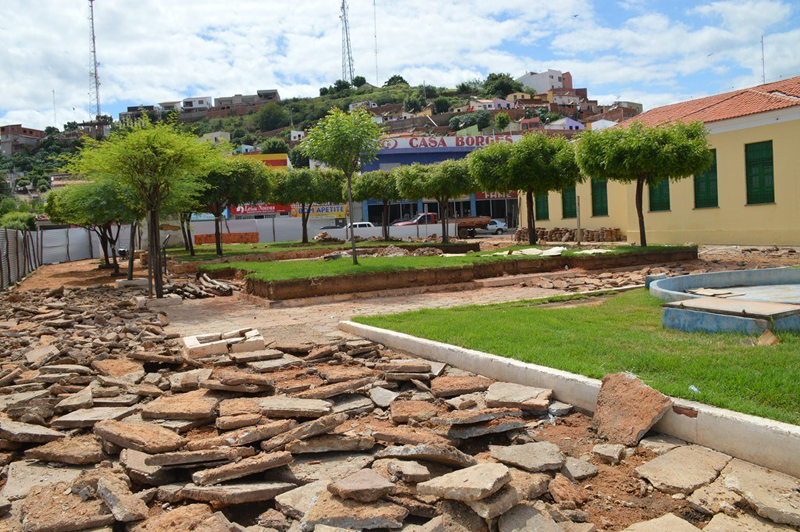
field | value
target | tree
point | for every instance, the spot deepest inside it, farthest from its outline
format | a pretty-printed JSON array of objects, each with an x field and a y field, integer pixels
[
  {"x": 232, "y": 181},
  {"x": 500, "y": 85},
  {"x": 414, "y": 103},
  {"x": 307, "y": 188},
  {"x": 645, "y": 156},
  {"x": 341, "y": 85},
  {"x": 20, "y": 221},
  {"x": 50, "y": 130},
  {"x": 298, "y": 158},
  {"x": 396, "y": 79},
  {"x": 535, "y": 165},
  {"x": 441, "y": 105},
  {"x": 379, "y": 185},
  {"x": 271, "y": 116},
  {"x": 345, "y": 141},
  {"x": 71, "y": 126},
  {"x": 501, "y": 121},
  {"x": 358, "y": 81},
  {"x": 323, "y": 91},
  {"x": 155, "y": 161},
  {"x": 274, "y": 145}
]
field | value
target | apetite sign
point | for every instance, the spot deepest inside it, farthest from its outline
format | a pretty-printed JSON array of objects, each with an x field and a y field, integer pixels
[
  {"x": 466, "y": 141},
  {"x": 322, "y": 211}
]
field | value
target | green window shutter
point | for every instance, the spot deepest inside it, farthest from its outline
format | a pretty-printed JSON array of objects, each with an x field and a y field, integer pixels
[
  {"x": 705, "y": 187},
  {"x": 599, "y": 197},
  {"x": 569, "y": 206},
  {"x": 542, "y": 208},
  {"x": 759, "y": 172},
  {"x": 659, "y": 196}
]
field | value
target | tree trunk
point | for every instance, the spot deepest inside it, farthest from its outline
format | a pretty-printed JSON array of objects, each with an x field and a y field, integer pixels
[
  {"x": 154, "y": 252},
  {"x": 304, "y": 221},
  {"x": 131, "y": 245},
  {"x": 444, "y": 211},
  {"x": 113, "y": 245},
  {"x": 183, "y": 232},
  {"x": 103, "y": 244},
  {"x": 217, "y": 235},
  {"x": 386, "y": 220},
  {"x": 640, "y": 211},
  {"x": 350, "y": 208},
  {"x": 189, "y": 234},
  {"x": 531, "y": 218}
]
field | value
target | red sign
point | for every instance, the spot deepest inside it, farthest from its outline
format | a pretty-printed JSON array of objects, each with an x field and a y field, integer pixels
[
  {"x": 495, "y": 195},
  {"x": 470, "y": 141},
  {"x": 260, "y": 208}
]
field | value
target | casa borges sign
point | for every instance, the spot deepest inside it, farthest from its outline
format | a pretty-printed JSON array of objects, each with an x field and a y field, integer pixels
[{"x": 466, "y": 141}]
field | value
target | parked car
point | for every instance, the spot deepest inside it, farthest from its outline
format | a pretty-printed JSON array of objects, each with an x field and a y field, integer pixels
[
  {"x": 361, "y": 225},
  {"x": 494, "y": 227},
  {"x": 421, "y": 219}
]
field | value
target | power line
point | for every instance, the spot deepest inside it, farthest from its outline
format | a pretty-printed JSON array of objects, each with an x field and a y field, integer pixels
[{"x": 347, "y": 52}]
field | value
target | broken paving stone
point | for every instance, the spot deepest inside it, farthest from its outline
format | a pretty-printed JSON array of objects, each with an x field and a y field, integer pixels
[
  {"x": 471, "y": 484},
  {"x": 124, "y": 505},
  {"x": 660, "y": 443},
  {"x": 332, "y": 390},
  {"x": 245, "y": 436},
  {"x": 364, "y": 486},
  {"x": 524, "y": 518},
  {"x": 510, "y": 395},
  {"x": 305, "y": 430},
  {"x": 199, "y": 404},
  {"x": 134, "y": 464},
  {"x": 405, "y": 435},
  {"x": 408, "y": 471},
  {"x": 181, "y": 519},
  {"x": 145, "y": 437},
  {"x": 470, "y": 400},
  {"x": 38, "y": 353},
  {"x": 352, "y": 404},
  {"x": 331, "y": 443},
  {"x": 238, "y": 421},
  {"x": 559, "y": 409},
  {"x": 235, "y": 493},
  {"x": 332, "y": 511},
  {"x": 576, "y": 469},
  {"x": 668, "y": 522},
  {"x": 24, "y": 475},
  {"x": 715, "y": 497},
  {"x": 281, "y": 406},
  {"x": 743, "y": 523},
  {"x": 55, "y": 508},
  {"x": 456, "y": 517},
  {"x": 470, "y": 417},
  {"x": 199, "y": 457},
  {"x": 88, "y": 417},
  {"x": 296, "y": 502},
  {"x": 565, "y": 492},
  {"x": 240, "y": 405},
  {"x": 448, "y": 386},
  {"x": 405, "y": 411},
  {"x": 245, "y": 467},
  {"x": 255, "y": 356},
  {"x": 73, "y": 450},
  {"x": 495, "y": 426},
  {"x": 273, "y": 519},
  {"x": 382, "y": 397},
  {"x": 772, "y": 495},
  {"x": 534, "y": 457},
  {"x": 268, "y": 366},
  {"x": 26, "y": 432},
  {"x": 609, "y": 453},
  {"x": 187, "y": 381},
  {"x": 683, "y": 469},
  {"x": 118, "y": 367},
  {"x": 521, "y": 487},
  {"x": 329, "y": 467},
  {"x": 627, "y": 408},
  {"x": 440, "y": 454}
]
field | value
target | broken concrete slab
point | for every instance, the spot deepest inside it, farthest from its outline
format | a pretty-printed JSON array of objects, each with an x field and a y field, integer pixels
[
  {"x": 743, "y": 523},
  {"x": 124, "y": 505},
  {"x": 244, "y": 436},
  {"x": 471, "y": 484},
  {"x": 660, "y": 443},
  {"x": 180, "y": 458},
  {"x": 565, "y": 493},
  {"x": 448, "y": 386},
  {"x": 521, "y": 487},
  {"x": 382, "y": 397},
  {"x": 145, "y": 437},
  {"x": 24, "y": 475},
  {"x": 627, "y": 408},
  {"x": 352, "y": 404},
  {"x": 440, "y": 454},
  {"x": 471, "y": 417},
  {"x": 328, "y": 466},
  {"x": 74, "y": 450},
  {"x": 509, "y": 395},
  {"x": 364, "y": 486},
  {"x": 235, "y": 493},
  {"x": 771, "y": 494},
  {"x": 576, "y": 469},
  {"x": 405, "y": 411},
  {"x": 88, "y": 417},
  {"x": 495, "y": 426},
  {"x": 609, "y": 453},
  {"x": 305, "y": 430},
  {"x": 181, "y": 519},
  {"x": 277, "y": 364},
  {"x": 296, "y": 502},
  {"x": 328, "y": 443},
  {"x": 282, "y": 406},
  {"x": 666, "y": 522},
  {"x": 331, "y": 511},
  {"x": 54, "y": 508},
  {"x": 684, "y": 469},
  {"x": 525, "y": 518},
  {"x": 408, "y": 471},
  {"x": 534, "y": 457},
  {"x": 198, "y": 404},
  {"x": 134, "y": 464},
  {"x": 559, "y": 409},
  {"x": 715, "y": 497},
  {"x": 245, "y": 467},
  {"x": 332, "y": 390},
  {"x": 27, "y": 432}
]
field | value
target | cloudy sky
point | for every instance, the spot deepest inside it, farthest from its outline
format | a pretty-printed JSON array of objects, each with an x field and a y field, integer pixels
[{"x": 150, "y": 51}]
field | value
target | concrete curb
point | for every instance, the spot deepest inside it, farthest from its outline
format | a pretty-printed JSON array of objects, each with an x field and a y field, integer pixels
[{"x": 761, "y": 441}]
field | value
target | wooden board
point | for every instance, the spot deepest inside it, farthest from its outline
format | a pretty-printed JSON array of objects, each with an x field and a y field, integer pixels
[{"x": 737, "y": 307}]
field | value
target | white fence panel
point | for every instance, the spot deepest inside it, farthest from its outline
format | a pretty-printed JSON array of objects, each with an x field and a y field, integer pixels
[{"x": 18, "y": 255}]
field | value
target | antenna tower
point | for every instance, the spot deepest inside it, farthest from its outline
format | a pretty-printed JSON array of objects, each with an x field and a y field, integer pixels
[
  {"x": 347, "y": 52},
  {"x": 375, "y": 24},
  {"x": 763, "y": 71},
  {"x": 55, "y": 119},
  {"x": 94, "y": 94}
]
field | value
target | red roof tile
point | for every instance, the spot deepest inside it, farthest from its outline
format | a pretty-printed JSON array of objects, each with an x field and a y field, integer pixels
[{"x": 760, "y": 99}]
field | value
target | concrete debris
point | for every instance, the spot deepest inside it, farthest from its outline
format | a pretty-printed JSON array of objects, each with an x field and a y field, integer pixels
[{"x": 123, "y": 424}]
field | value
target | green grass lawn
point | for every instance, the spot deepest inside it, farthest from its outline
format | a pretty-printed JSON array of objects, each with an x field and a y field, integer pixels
[
  {"x": 623, "y": 333},
  {"x": 284, "y": 270},
  {"x": 209, "y": 251}
]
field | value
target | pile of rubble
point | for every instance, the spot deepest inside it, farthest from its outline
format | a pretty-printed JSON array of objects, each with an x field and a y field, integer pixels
[
  {"x": 325, "y": 238},
  {"x": 108, "y": 421},
  {"x": 564, "y": 234},
  {"x": 203, "y": 287},
  {"x": 586, "y": 281}
]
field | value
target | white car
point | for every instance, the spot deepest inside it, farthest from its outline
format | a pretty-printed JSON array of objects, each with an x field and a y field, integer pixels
[
  {"x": 361, "y": 225},
  {"x": 494, "y": 227}
]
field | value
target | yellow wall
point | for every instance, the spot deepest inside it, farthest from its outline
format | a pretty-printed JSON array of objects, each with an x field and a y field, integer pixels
[{"x": 733, "y": 221}]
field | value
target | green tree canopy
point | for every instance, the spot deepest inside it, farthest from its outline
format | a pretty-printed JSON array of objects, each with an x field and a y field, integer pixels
[
  {"x": 298, "y": 158},
  {"x": 307, "y": 187},
  {"x": 274, "y": 145},
  {"x": 645, "y": 156},
  {"x": 272, "y": 116},
  {"x": 501, "y": 121},
  {"x": 344, "y": 141},
  {"x": 379, "y": 185},
  {"x": 414, "y": 103},
  {"x": 359, "y": 81},
  {"x": 500, "y": 85},
  {"x": 441, "y": 105},
  {"x": 20, "y": 221},
  {"x": 396, "y": 79}
]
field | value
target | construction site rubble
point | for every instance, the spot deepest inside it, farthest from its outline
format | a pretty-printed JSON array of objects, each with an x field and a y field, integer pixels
[
  {"x": 203, "y": 287},
  {"x": 110, "y": 422},
  {"x": 565, "y": 234}
]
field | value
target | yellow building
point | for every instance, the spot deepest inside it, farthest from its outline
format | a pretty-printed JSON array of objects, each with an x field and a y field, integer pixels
[{"x": 750, "y": 196}]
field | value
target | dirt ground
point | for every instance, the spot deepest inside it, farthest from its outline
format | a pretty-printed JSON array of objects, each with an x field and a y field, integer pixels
[{"x": 76, "y": 274}]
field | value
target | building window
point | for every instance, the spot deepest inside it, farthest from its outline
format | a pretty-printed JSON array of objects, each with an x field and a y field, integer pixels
[
  {"x": 659, "y": 196},
  {"x": 705, "y": 187},
  {"x": 542, "y": 208},
  {"x": 759, "y": 173},
  {"x": 569, "y": 205},
  {"x": 599, "y": 197}
]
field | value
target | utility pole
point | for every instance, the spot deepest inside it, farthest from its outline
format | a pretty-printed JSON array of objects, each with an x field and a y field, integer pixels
[{"x": 347, "y": 52}]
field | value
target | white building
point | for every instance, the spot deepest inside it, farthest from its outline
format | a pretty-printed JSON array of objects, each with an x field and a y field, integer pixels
[
  {"x": 543, "y": 81},
  {"x": 297, "y": 135},
  {"x": 369, "y": 104},
  {"x": 168, "y": 107},
  {"x": 196, "y": 104},
  {"x": 598, "y": 125}
]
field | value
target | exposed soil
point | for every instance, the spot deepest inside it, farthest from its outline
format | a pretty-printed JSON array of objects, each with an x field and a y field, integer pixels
[{"x": 76, "y": 274}]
